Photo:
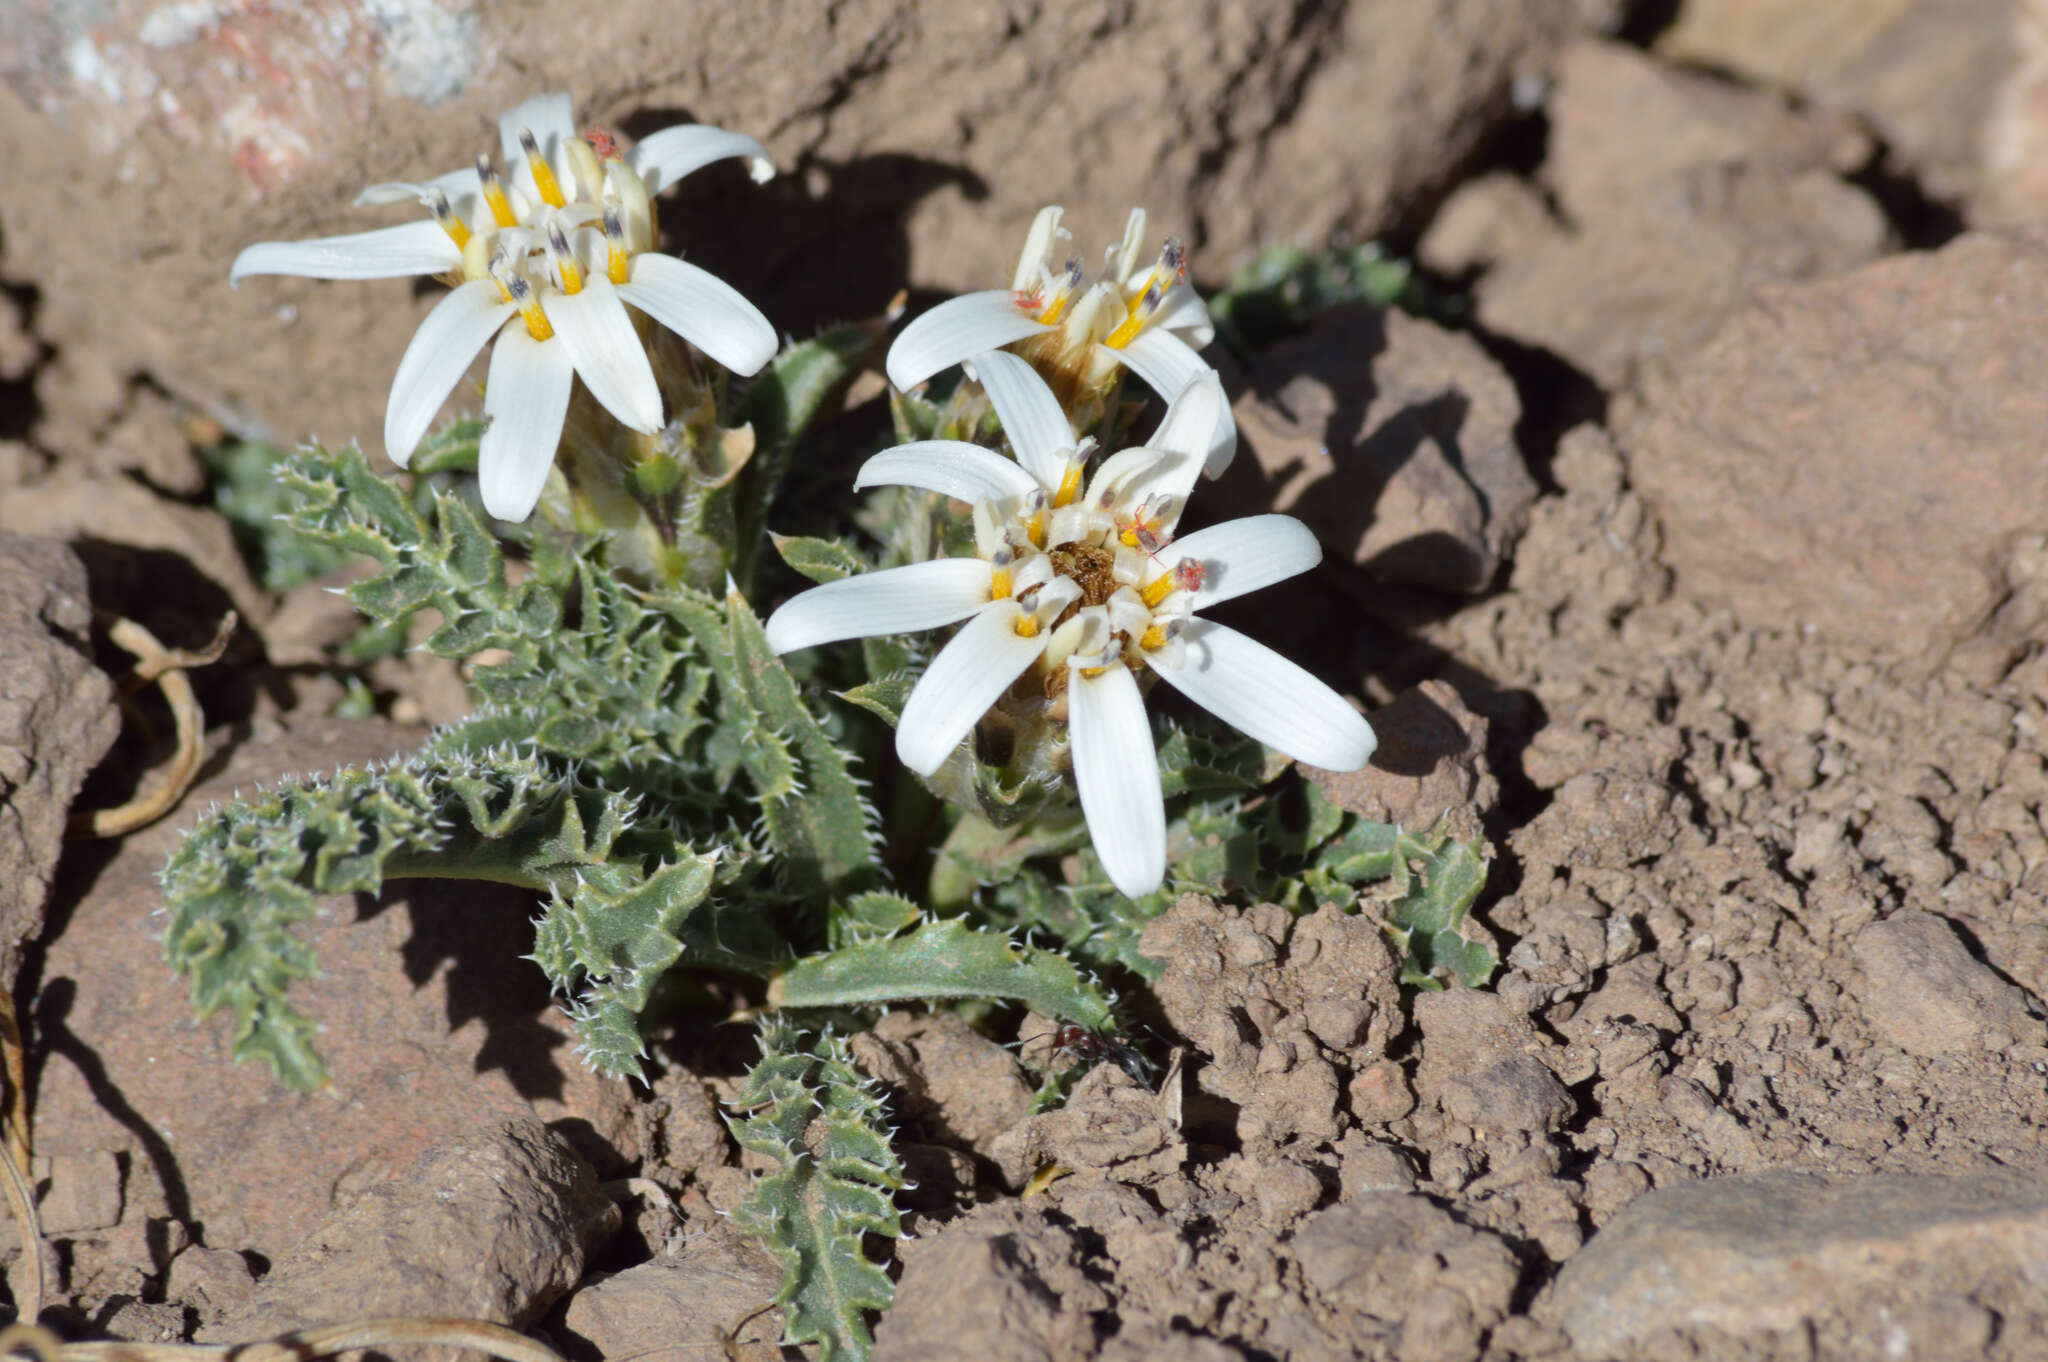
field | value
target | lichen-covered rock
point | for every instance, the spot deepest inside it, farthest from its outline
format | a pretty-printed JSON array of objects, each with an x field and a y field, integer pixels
[{"x": 167, "y": 136}]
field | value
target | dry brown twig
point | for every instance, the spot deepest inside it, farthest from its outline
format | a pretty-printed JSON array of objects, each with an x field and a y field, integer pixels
[{"x": 167, "y": 668}]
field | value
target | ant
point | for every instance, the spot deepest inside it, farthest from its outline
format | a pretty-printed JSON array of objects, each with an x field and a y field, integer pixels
[{"x": 1093, "y": 1047}]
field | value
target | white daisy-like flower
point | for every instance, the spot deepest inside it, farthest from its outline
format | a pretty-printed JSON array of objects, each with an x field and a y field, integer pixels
[
  {"x": 545, "y": 259},
  {"x": 1142, "y": 315},
  {"x": 1073, "y": 591}
]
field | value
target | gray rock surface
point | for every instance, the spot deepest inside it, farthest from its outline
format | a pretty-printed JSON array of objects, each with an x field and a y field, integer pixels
[
  {"x": 1675, "y": 194},
  {"x": 1914, "y": 392},
  {"x": 1929, "y": 996},
  {"x": 1885, "y": 1265},
  {"x": 57, "y": 718}
]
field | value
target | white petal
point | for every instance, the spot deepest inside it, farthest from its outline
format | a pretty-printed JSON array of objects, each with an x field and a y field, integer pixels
[
  {"x": 1183, "y": 444},
  {"x": 525, "y": 398},
  {"x": 1119, "y": 473},
  {"x": 1123, "y": 257},
  {"x": 1183, "y": 312},
  {"x": 387, "y": 253},
  {"x": 1038, "y": 244},
  {"x": 440, "y": 351},
  {"x": 957, "y": 329},
  {"x": 551, "y": 119},
  {"x": 1262, "y": 694},
  {"x": 1118, "y": 772},
  {"x": 664, "y": 157},
  {"x": 703, "y": 309},
  {"x": 967, "y": 676},
  {"x": 1244, "y": 555},
  {"x": 1168, "y": 365},
  {"x": 898, "y": 600},
  {"x": 951, "y": 468},
  {"x": 1030, "y": 414},
  {"x": 607, "y": 352}
]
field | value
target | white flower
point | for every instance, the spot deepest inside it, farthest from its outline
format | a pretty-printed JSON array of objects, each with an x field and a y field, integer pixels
[
  {"x": 548, "y": 261},
  {"x": 1142, "y": 315},
  {"x": 1082, "y": 589}
]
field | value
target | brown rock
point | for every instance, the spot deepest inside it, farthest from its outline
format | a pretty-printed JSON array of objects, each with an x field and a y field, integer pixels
[
  {"x": 1676, "y": 195},
  {"x": 492, "y": 1226},
  {"x": 688, "y": 1301},
  {"x": 1757, "y": 1255},
  {"x": 429, "y": 1023},
  {"x": 1430, "y": 765},
  {"x": 57, "y": 719},
  {"x": 1394, "y": 439},
  {"x": 153, "y": 130},
  {"x": 1929, "y": 996},
  {"x": 1001, "y": 1283},
  {"x": 1384, "y": 1259},
  {"x": 1927, "y": 74},
  {"x": 1852, "y": 453}
]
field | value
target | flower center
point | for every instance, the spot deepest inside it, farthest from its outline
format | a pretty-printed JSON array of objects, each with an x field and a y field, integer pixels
[{"x": 589, "y": 219}]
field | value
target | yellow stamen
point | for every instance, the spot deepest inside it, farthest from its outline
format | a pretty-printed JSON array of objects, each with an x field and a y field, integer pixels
[
  {"x": 451, "y": 222},
  {"x": 543, "y": 174},
  {"x": 566, "y": 267},
  {"x": 1154, "y": 637},
  {"x": 1058, "y": 305},
  {"x": 618, "y": 261},
  {"x": 494, "y": 193},
  {"x": 1034, "y": 528},
  {"x": 998, "y": 583},
  {"x": 1154, "y": 593},
  {"x": 1027, "y": 626},
  {"x": 522, "y": 294},
  {"x": 1126, "y": 330},
  {"x": 1070, "y": 485}
]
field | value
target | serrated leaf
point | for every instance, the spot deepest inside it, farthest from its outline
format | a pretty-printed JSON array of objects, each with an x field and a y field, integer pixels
[
  {"x": 821, "y": 560},
  {"x": 944, "y": 959}
]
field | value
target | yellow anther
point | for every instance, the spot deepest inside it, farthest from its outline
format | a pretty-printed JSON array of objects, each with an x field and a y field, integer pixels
[
  {"x": 618, "y": 261},
  {"x": 1154, "y": 593},
  {"x": 451, "y": 223},
  {"x": 494, "y": 193},
  {"x": 998, "y": 583},
  {"x": 1034, "y": 528},
  {"x": 543, "y": 174},
  {"x": 566, "y": 268},
  {"x": 1058, "y": 305},
  {"x": 1027, "y": 626},
  {"x": 521, "y": 293},
  {"x": 1070, "y": 484},
  {"x": 1154, "y": 637}
]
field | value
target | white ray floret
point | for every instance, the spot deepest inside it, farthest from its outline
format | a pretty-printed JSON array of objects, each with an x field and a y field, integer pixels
[
  {"x": 1077, "y": 581},
  {"x": 1142, "y": 314},
  {"x": 552, "y": 244}
]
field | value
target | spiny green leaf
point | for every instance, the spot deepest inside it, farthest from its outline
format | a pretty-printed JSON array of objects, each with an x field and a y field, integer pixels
[
  {"x": 821, "y": 1122},
  {"x": 944, "y": 959}
]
